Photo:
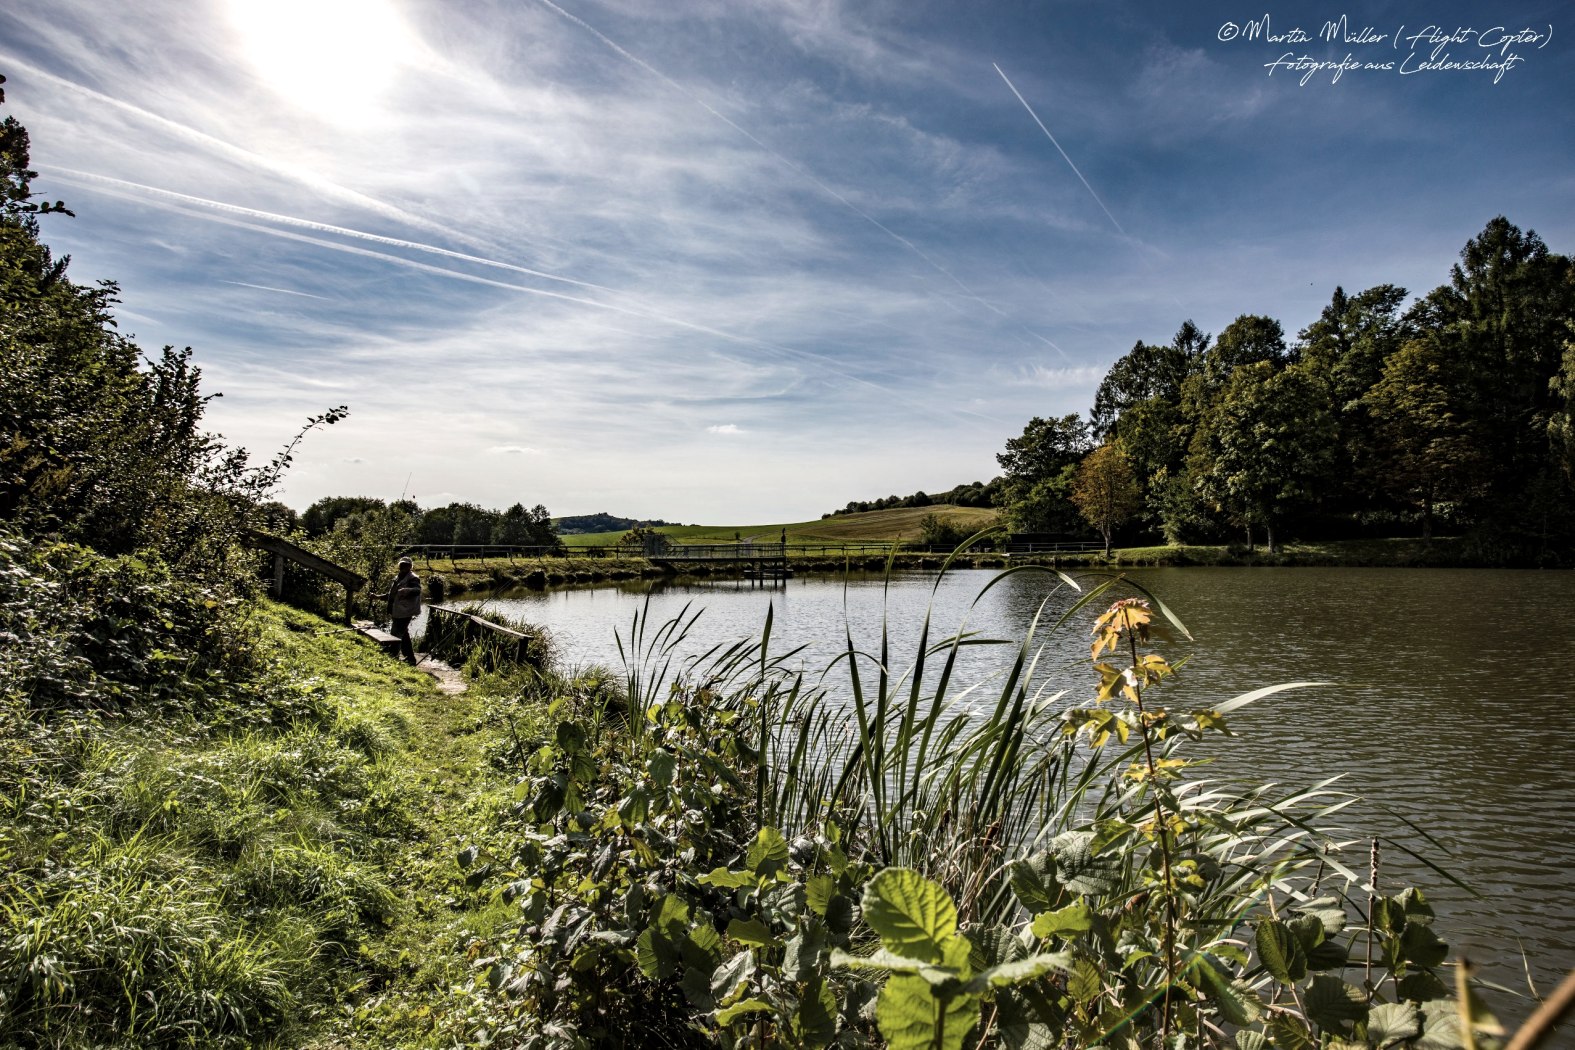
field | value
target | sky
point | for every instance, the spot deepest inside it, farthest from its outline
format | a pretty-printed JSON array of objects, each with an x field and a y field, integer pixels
[{"x": 731, "y": 262}]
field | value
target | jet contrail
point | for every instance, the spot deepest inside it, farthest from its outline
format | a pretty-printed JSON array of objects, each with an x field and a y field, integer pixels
[
  {"x": 794, "y": 167},
  {"x": 71, "y": 174},
  {"x": 281, "y": 291},
  {"x": 1061, "y": 151},
  {"x": 245, "y": 156},
  {"x": 819, "y": 360}
]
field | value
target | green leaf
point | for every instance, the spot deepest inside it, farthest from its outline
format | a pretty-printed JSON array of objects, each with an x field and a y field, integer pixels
[
  {"x": 728, "y": 880},
  {"x": 730, "y": 979},
  {"x": 1421, "y": 986},
  {"x": 1072, "y": 919},
  {"x": 769, "y": 854},
  {"x": 732, "y": 1013},
  {"x": 661, "y": 766},
  {"x": 1080, "y": 868},
  {"x": 1021, "y": 970},
  {"x": 1033, "y": 880},
  {"x": 912, "y": 1017},
  {"x": 1390, "y": 1023},
  {"x": 1250, "y": 1040},
  {"x": 696, "y": 987},
  {"x": 1329, "y": 912},
  {"x": 802, "y": 958},
  {"x": 1236, "y": 1003},
  {"x": 815, "y": 1023},
  {"x": 1308, "y": 930},
  {"x": 750, "y": 931},
  {"x": 1280, "y": 952},
  {"x": 1420, "y": 945},
  {"x": 1333, "y": 1004},
  {"x": 1289, "y": 1034},
  {"x": 818, "y": 891},
  {"x": 914, "y": 916},
  {"x": 1084, "y": 983},
  {"x": 702, "y": 947}
]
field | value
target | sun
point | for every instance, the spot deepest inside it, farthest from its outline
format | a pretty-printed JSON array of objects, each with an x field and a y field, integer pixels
[{"x": 333, "y": 58}]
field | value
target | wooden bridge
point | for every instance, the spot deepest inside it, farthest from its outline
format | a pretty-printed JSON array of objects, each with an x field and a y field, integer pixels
[{"x": 761, "y": 561}]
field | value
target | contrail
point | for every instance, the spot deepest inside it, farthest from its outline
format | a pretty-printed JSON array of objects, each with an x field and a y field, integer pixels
[
  {"x": 71, "y": 174},
  {"x": 794, "y": 167},
  {"x": 821, "y": 361},
  {"x": 281, "y": 291},
  {"x": 1061, "y": 151},
  {"x": 255, "y": 160}
]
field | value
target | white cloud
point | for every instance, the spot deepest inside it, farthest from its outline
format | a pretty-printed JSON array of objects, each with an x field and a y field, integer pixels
[
  {"x": 513, "y": 450},
  {"x": 725, "y": 428}
]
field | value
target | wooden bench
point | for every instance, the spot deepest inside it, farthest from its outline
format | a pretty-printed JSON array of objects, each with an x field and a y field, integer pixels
[{"x": 389, "y": 643}]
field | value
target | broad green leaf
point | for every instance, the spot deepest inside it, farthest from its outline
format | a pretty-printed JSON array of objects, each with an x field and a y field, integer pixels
[
  {"x": 912, "y": 1017},
  {"x": 1084, "y": 983},
  {"x": 1020, "y": 1025},
  {"x": 1390, "y": 1023},
  {"x": 1329, "y": 912},
  {"x": 1417, "y": 908},
  {"x": 1280, "y": 952},
  {"x": 1289, "y": 1034},
  {"x": 702, "y": 947},
  {"x": 1440, "y": 1026},
  {"x": 1421, "y": 986},
  {"x": 1236, "y": 1004},
  {"x": 661, "y": 767},
  {"x": 1073, "y": 919},
  {"x": 750, "y": 931},
  {"x": 815, "y": 1023},
  {"x": 1247, "y": 1039},
  {"x": 1008, "y": 974},
  {"x": 654, "y": 955},
  {"x": 1033, "y": 880},
  {"x": 732, "y": 977},
  {"x": 913, "y": 915},
  {"x": 1334, "y": 1004},
  {"x": 801, "y": 960},
  {"x": 769, "y": 854},
  {"x": 728, "y": 880},
  {"x": 818, "y": 891},
  {"x": 741, "y": 1008},
  {"x": 1308, "y": 930},
  {"x": 1080, "y": 868},
  {"x": 697, "y": 989},
  {"x": 1420, "y": 945},
  {"x": 992, "y": 946}
]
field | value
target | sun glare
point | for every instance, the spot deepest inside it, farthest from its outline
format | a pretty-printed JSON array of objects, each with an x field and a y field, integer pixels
[{"x": 333, "y": 58}]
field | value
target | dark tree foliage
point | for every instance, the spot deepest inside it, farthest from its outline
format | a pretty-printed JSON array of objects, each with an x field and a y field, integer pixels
[
  {"x": 973, "y": 494},
  {"x": 1455, "y": 412},
  {"x": 98, "y": 445},
  {"x": 320, "y": 518}
]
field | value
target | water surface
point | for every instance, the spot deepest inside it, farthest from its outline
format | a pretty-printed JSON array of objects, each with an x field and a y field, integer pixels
[{"x": 1449, "y": 700}]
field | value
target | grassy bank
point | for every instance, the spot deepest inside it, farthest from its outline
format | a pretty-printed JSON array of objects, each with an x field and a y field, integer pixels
[
  {"x": 894, "y": 525},
  {"x": 254, "y": 864}
]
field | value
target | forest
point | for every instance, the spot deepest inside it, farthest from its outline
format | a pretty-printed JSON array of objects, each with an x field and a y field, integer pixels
[{"x": 1455, "y": 414}]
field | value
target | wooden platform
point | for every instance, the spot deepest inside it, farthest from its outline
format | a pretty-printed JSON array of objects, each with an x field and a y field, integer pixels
[{"x": 371, "y": 630}]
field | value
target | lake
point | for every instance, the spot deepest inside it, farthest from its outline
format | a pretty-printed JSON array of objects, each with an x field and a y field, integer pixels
[{"x": 1450, "y": 701}]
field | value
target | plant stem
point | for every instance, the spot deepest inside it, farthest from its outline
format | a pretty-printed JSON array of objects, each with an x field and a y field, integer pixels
[{"x": 1164, "y": 843}]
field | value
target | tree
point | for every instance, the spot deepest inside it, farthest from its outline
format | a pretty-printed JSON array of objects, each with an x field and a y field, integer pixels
[
  {"x": 1105, "y": 491},
  {"x": 1034, "y": 491},
  {"x": 97, "y": 444},
  {"x": 526, "y": 528},
  {"x": 1266, "y": 447},
  {"x": 1431, "y": 444}
]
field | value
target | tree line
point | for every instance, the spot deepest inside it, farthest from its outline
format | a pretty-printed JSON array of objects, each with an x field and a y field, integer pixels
[{"x": 1455, "y": 413}]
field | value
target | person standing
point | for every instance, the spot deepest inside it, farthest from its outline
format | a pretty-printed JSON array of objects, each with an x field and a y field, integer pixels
[{"x": 404, "y": 605}]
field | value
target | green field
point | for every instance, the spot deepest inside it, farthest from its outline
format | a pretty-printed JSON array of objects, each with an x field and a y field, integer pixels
[{"x": 899, "y": 524}]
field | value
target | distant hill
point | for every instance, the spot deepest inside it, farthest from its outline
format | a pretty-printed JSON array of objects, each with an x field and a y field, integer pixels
[
  {"x": 880, "y": 526},
  {"x": 601, "y": 521},
  {"x": 973, "y": 494}
]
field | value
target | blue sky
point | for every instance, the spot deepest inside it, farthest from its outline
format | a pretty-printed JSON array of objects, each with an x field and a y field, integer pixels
[{"x": 733, "y": 262}]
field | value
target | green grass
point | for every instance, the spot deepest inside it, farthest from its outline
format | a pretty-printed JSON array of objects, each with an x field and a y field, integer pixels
[
  {"x": 256, "y": 873},
  {"x": 898, "y": 524}
]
